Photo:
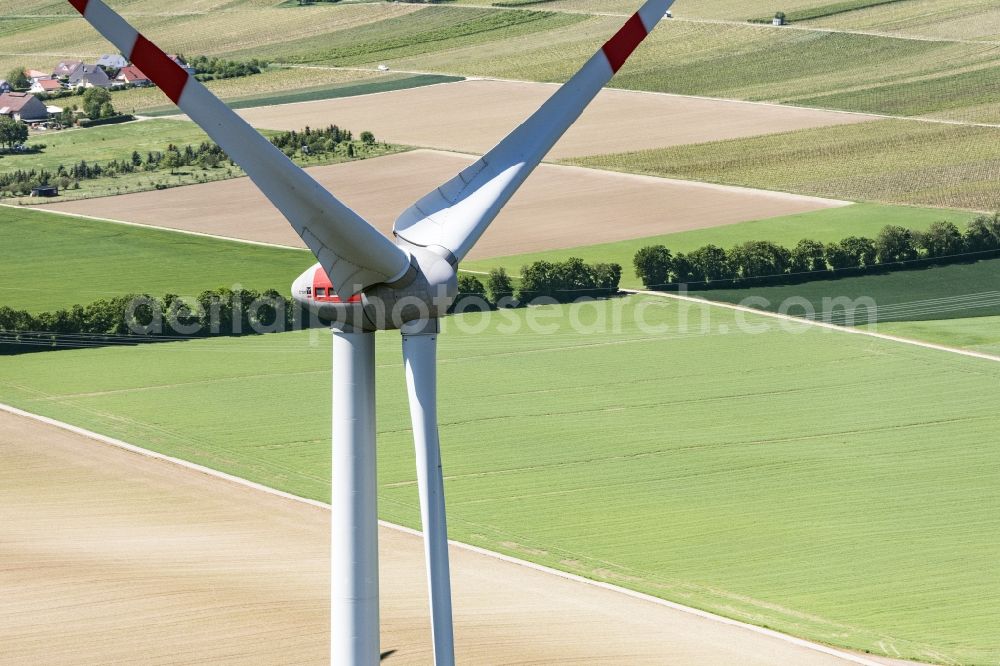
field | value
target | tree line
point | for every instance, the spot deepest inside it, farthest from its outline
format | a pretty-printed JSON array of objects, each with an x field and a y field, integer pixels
[
  {"x": 765, "y": 262},
  {"x": 206, "y": 155},
  {"x": 562, "y": 282},
  {"x": 135, "y": 318},
  {"x": 208, "y": 69}
]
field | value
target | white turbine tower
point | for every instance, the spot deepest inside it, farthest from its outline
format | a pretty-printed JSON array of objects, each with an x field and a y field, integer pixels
[{"x": 381, "y": 285}]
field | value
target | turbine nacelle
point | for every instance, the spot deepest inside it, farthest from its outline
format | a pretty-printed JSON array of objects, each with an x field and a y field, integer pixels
[{"x": 424, "y": 295}]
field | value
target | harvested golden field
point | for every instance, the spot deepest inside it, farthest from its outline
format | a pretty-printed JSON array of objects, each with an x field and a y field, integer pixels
[
  {"x": 559, "y": 206},
  {"x": 472, "y": 116}
]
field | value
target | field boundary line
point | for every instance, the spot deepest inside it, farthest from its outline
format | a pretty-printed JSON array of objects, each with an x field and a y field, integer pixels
[
  {"x": 252, "y": 485},
  {"x": 820, "y": 324}
]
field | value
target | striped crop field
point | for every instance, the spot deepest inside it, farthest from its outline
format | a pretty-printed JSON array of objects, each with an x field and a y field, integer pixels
[
  {"x": 832, "y": 486},
  {"x": 956, "y": 19},
  {"x": 859, "y": 72},
  {"x": 889, "y": 161}
]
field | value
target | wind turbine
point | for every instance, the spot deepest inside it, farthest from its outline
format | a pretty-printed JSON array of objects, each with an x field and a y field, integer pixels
[{"x": 375, "y": 284}]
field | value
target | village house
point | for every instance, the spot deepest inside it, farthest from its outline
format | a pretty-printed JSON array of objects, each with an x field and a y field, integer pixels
[
  {"x": 112, "y": 61},
  {"x": 132, "y": 75},
  {"x": 89, "y": 76},
  {"x": 66, "y": 68},
  {"x": 34, "y": 75},
  {"x": 23, "y": 106},
  {"x": 5, "y": 86},
  {"x": 46, "y": 86}
]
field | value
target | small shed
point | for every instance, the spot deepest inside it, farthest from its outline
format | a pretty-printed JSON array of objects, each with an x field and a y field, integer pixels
[{"x": 45, "y": 191}]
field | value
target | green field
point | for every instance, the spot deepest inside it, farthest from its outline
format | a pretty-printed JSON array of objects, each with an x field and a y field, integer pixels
[
  {"x": 270, "y": 87},
  {"x": 429, "y": 30},
  {"x": 334, "y": 91},
  {"x": 976, "y": 333},
  {"x": 835, "y": 487},
  {"x": 825, "y": 9},
  {"x": 55, "y": 261},
  {"x": 104, "y": 143},
  {"x": 888, "y": 161},
  {"x": 967, "y": 291},
  {"x": 117, "y": 142},
  {"x": 828, "y": 225},
  {"x": 955, "y": 19}
]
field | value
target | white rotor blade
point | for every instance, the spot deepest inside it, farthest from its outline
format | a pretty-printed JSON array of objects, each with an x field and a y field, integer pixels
[
  {"x": 456, "y": 214},
  {"x": 351, "y": 251},
  {"x": 420, "y": 358}
]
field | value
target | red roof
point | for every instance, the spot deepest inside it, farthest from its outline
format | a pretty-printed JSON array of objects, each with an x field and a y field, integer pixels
[
  {"x": 132, "y": 73},
  {"x": 49, "y": 85}
]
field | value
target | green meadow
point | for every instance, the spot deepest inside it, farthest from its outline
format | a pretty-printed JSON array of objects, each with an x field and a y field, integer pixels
[
  {"x": 968, "y": 291},
  {"x": 311, "y": 94},
  {"x": 975, "y": 333},
  {"x": 99, "y": 145},
  {"x": 55, "y": 261},
  {"x": 835, "y": 487}
]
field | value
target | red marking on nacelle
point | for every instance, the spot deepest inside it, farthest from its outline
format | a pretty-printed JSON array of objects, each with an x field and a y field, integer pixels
[
  {"x": 322, "y": 281},
  {"x": 625, "y": 41},
  {"x": 79, "y": 5},
  {"x": 164, "y": 72}
]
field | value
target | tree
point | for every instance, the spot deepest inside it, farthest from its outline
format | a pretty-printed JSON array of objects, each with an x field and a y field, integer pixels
[
  {"x": 755, "y": 259},
  {"x": 498, "y": 286},
  {"x": 682, "y": 270},
  {"x": 537, "y": 280},
  {"x": 67, "y": 118},
  {"x": 895, "y": 244},
  {"x": 172, "y": 160},
  {"x": 808, "y": 256},
  {"x": 710, "y": 263},
  {"x": 837, "y": 256},
  {"x": 572, "y": 278},
  {"x": 652, "y": 265},
  {"x": 367, "y": 138},
  {"x": 12, "y": 132},
  {"x": 983, "y": 233},
  {"x": 607, "y": 277},
  {"x": 18, "y": 80},
  {"x": 94, "y": 101},
  {"x": 471, "y": 295},
  {"x": 861, "y": 251},
  {"x": 942, "y": 239}
]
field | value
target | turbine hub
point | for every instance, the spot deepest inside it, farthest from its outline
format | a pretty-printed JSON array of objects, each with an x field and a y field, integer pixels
[{"x": 415, "y": 302}]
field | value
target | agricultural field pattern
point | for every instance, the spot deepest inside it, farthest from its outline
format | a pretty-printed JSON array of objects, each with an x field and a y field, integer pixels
[{"x": 739, "y": 448}]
